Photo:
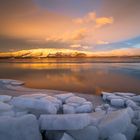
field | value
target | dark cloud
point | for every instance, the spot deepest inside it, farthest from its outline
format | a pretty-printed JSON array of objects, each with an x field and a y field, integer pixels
[
  {"x": 10, "y": 44},
  {"x": 16, "y": 7}
]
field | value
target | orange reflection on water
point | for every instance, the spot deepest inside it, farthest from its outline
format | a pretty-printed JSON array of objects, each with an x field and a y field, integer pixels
[
  {"x": 40, "y": 66},
  {"x": 91, "y": 78}
]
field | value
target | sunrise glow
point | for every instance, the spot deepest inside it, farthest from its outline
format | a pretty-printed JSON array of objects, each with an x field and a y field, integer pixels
[{"x": 98, "y": 27}]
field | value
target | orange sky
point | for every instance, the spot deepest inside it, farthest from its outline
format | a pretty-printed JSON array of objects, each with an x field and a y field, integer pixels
[{"x": 93, "y": 26}]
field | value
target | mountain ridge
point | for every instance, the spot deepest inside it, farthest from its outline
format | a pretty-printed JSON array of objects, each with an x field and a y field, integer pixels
[{"x": 59, "y": 53}]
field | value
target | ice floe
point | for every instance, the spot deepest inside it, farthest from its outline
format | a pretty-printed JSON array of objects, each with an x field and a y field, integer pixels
[
  {"x": 5, "y": 98},
  {"x": 5, "y": 107},
  {"x": 113, "y": 123},
  {"x": 66, "y": 137},
  {"x": 63, "y": 97},
  {"x": 118, "y": 136},
  {"x": 64, "y": 122},
  {"x": 34, "y": 105},
  {"x": 88, "y": 133},
  {"x": 75, "y": 99},
  {"x": 67, "y": 116},
  {"x": 21, "y": 128},
  {"x": 117, "y": 102}
]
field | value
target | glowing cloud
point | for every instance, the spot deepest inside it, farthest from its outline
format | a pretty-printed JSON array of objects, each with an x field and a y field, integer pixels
[
  {"x": 101, "y": 42},
  {"x": 79, "y": 34},
  {"x": 27, "y": 24},
  {"x": 76, "y": 46},
  {"x": 91, "y": 18},
  {"x": 103, "y": 21}
]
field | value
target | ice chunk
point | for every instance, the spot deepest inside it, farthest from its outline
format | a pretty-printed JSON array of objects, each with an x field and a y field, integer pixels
[
  {"x": 17, "y": 83},
  {"x": 124, "y": 94},
  {"x": 5, "y": 98},
  {"x": 35, "y": 96},
  {"x": 106, "y": 106},
  {"x": 6, "y": 81},
  {"x": 8, "y": 113},
  {"x": 67, "y": 109},
  {"x": 13, "y": 82},
  {"x": 132, "y": 104},
  {"x": 73, "y": 104},
  {"x": 34, "y": 104},
  {"x": 88, "y": 133},
  {"x": 130, "y": 132},
  {"x": 136, "y": 98},
  {"x": 114, "y": 122},
  {"x": 63, "y": 97},
  {"x": 87, "y": 103},
  {"x": 117, "y": 102},
  {"x": 5, "y": 107},
  {"x": 21, "y": 113},
  {"x": 64, "y": 122},
  {"x": 96, "y": 117},
  {"x": 110, "y": 109},
  {"x": 66, "y": 137},
  {"x": 55, "y": 101},
  {"x": 137, "y": 122},
  {"x": 86, "y": 108},
  {"x": 52, "y": 99},
  {"x": 114, "y": 97},
  {"x": 76, "y": 99},
  {"x": 98, "y": 109},
  {"x": 130, "y": 112},
  {"x": 21, "y": 128},
  {"x": 105, "y": 95},
  {"x": 118, "y": 136}
]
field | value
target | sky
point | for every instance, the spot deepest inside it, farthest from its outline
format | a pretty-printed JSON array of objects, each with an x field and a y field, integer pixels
[{"x": 85, "y": 25}]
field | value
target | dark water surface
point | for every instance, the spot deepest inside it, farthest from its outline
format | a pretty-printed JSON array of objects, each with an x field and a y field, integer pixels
[{"x": 83, "y": 76}]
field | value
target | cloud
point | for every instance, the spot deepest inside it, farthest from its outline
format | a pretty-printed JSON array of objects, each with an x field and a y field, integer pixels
[
  {"x": 79, "y": 47},
  {"x": 32, "y": 24},
  {"x": 91, "y": 18},
  {"x": 75, "y": 46},
  {"x": 79, "y": 34},
  {"x": 101, "y": 42},
  {"x": 10, "y": 43},
  {"x": 26, "y": 19},
  {"x": 103, "y": 21},
  {"x": 91, "y": 24},
  {"x": 72, "y": 36}
]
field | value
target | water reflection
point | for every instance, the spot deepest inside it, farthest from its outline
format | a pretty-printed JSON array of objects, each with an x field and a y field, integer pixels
[{"x": 78, "y": 77}]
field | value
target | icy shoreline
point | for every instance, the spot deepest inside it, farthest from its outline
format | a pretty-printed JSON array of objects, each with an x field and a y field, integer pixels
[{"x": 55, "y": 115}]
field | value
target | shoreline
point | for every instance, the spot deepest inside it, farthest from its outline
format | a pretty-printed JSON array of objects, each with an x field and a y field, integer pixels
[
  {"x": 51, "y": 114},
  {"x": 21, "y": 89}
]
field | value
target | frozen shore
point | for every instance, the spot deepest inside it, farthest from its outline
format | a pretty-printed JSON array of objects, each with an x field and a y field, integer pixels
[{"x": 33, "y": 114}]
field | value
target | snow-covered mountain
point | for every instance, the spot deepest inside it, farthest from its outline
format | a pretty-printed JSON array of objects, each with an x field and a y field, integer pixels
[
  {"x": 67, "y": 53},
  {"x": 44, "y": 53}
]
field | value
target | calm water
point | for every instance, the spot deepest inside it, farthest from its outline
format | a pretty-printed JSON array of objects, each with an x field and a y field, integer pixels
[{"x": 83, "y": 76}]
